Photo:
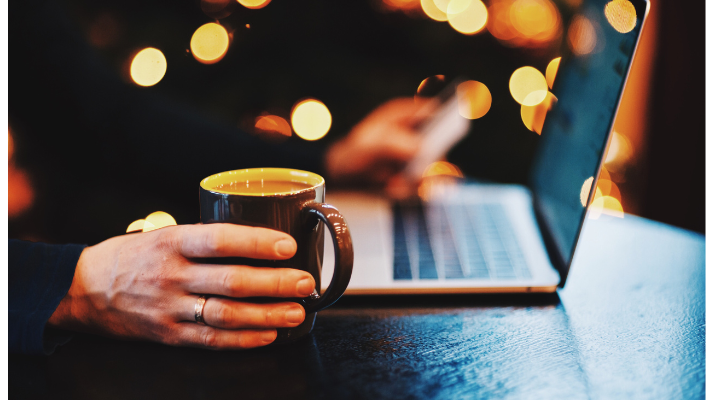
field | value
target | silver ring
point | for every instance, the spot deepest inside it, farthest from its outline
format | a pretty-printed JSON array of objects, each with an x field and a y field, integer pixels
[{"x": 198, "y": 309}]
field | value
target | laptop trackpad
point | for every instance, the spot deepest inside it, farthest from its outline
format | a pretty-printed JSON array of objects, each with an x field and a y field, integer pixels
[{"x": 369, "y": 219}]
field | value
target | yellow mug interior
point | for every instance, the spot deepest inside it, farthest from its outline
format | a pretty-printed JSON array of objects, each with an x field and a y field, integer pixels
[{"x": 258, "y": 176}]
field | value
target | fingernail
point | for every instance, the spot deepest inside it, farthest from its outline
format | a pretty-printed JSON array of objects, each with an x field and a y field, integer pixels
[
  {"x": 294, "y": 316},
  {"x": 285, "y": 248},
  {"x": 268, "y": 336},
  {"x": 305, "y": 287}
]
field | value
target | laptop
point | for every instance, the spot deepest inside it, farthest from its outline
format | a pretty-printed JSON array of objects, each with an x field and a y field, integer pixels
[{"x": 498, "y": 238}]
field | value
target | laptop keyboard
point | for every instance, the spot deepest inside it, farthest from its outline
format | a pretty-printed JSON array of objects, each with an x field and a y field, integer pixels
[{"x": 455, "y": 241}]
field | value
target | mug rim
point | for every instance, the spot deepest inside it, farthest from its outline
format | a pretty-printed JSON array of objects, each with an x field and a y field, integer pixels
[{"x": 308, "y": 177}]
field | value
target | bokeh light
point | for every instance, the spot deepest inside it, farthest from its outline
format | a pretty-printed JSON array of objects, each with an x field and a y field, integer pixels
[
  {"x": 585, "y": 191},
  {"x": 621, "y": 14},
  {"x": 209, "y": 43},
  {"x": 619, "y": 150},
  {"x": 467, "y": 16},
  {"x": 272, "y": 128},
  {"x": 528, "y": 86},
  {"x": 442, "y": 168},
  {"x": 148, "y": 67},
  {"x": 156, "y": 220},
  {"x": 607, "y": 205},
  {"x": 136, "y": 226},
  {"x": 474, "y": 99},
  {"x": 433, "y": 11},
  {"x": 534, "y": 116},
  {"x": 524, "y": 23},
  {"x": 551, "y": 71},
  {"x": 431, "y": 86},
  {"x": 20, "y": 194},
  {"x": 582, "y": 35},
  {"x": 254, "y": 4},
  {"x": 407, "y": 6},
  {"x": 311, "y": 120}
]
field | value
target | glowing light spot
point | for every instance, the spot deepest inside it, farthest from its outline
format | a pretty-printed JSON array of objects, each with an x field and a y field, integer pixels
[
  {"x": 156, "y": 220},
  {"x": 621, "y": 14},
  {"x": 209, "y": 43},
  {"x": 526, "y": 81},
  {"x": 585, "y": 191},
  {"x": 582, "y": 36},
  {"x": 254, "y": 4},
  {"x": 534, "y": 116},
  {"x": 403, "y": 5},
  {"x": 433, "y": 11},
  {"x": 605, "y": 205},
  {"x": 148, "y": 67},
  {"x": 136, "y": 226},
  {"x": 619, "y": 150},
  {"x": 311, "y": 119},
  {"x": 20, "y": 194},
  {"x": 467, "y": 16},
  {"x": 273, "y": 128},
  {"x": 442, "y": 168},
  {"x": 442, "y": 5},
  {"x": 551, "y": 71},
  {"x": 474, "y": 99},
  {"x": 431, "y": 86},
  {"x": 533, "y": 18}
]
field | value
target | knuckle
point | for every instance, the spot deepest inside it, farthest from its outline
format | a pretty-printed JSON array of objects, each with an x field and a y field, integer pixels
[
  {"x": 214, "y": 240},
  {"x": 233, "y": 283},
  {"x": 280, "y": 285},
  {"x": 224, "y": 315},
  {"x": 208, "y": 338}
]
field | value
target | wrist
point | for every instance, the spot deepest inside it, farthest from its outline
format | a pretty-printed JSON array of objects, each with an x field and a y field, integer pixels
[{"x": 66, "y": 316}]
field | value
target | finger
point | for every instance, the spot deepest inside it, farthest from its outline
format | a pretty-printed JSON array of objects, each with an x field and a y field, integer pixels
[
  {"x": 245, "y": 281},
  {"x": 230, "y": 240},
  {"x": 196, "y": 335},
  {"x": 229, "y": 314},
  {"x": 399, "y": 145}
]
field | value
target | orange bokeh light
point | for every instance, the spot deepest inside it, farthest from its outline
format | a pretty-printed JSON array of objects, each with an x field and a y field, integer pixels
[
  {"x": 442, "y": 168},
  {"x": 209, "y": 43},
  {"x": 582, "y": 35},
  {"x": 534, "y": 116},
  {"x": 467, "y": 16},
  {"x": 474, "y": 99},
  {"x": 273, "y": 128},
  {"x": 148, "y": 67},
  {"x": 552, "y": 70},
  {"x": 254, "y": 4},
  {"x": 311, "y": 119},
  {"x": 20, "y": 194},
  {"x": 528, "y": 86},
  {"x": 619, "y": 151},
  {"x": 528, "y": 23},
  {"x": 621, "y": 14},
  {"x": 585, "y": 190}
]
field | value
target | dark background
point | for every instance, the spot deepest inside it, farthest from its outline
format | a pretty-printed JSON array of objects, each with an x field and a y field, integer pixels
[{"x": 350, "y": 55}]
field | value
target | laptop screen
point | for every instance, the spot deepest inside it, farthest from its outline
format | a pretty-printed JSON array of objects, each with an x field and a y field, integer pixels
[{"x": 600, "y": 42}]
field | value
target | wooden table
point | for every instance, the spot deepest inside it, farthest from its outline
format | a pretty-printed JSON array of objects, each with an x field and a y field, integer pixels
[{"x": 629, "y": 324}]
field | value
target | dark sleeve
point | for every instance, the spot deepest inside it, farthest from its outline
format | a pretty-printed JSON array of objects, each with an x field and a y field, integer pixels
[{"x": 39, "y": 277}]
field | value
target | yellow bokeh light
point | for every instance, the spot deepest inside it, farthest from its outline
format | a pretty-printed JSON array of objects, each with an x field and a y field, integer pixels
[
  {"x": 528, "y": 86},
  {"x": 209, "y": 43},
  {"x": 136, "y": 226},
  {"x": 273, "y": 128},
  {"x": 311, "y": 119},
  {"x": 534, "y": 116},
  {"x": 148, "y": 67},
  {"x": 619, "y": 150},
  {"x": 442, "y": 168},
  {"x": 158, "y": 219},
  {"x": 582, "y": 36},
  {"x": 431, "y": 86},
  {"x": 585, "y": 191},
  {"x": 474, "y": 99},
  {"x": 432, "y": 10},
  {"x": 254, "y": 4},
  {"x": 524, "y": 23},
  {"x": 551, "y": 71},
  {"x": 467, "y": 16},
  {"x": 607, "y": 205},
  {"x": 621, "y": 14}
]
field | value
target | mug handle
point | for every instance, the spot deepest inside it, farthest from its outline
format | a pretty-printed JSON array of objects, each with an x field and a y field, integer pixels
[{"x": 344, "y": 255}]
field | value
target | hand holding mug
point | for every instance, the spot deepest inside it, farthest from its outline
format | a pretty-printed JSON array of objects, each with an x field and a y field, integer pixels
[{"x": 143, "y": 286}]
